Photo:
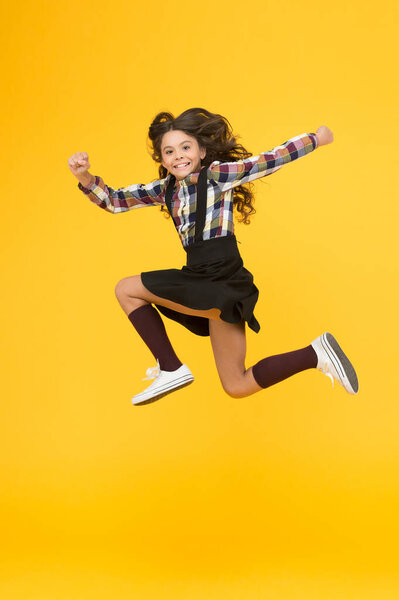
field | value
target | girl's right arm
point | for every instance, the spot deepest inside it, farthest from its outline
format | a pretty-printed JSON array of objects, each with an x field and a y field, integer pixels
[{"x": 115, "y": 201}]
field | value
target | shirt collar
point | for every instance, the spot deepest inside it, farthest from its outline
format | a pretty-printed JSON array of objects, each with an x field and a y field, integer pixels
[{"x": 187, "y": 180}]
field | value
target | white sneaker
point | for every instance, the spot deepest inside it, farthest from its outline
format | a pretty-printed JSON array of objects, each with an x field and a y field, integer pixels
[
  {"x": 334, "y": 363},
  {"x": 165, "y": 382}
]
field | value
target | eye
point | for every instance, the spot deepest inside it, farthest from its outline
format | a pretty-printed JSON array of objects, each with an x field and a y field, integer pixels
[{"x": 186, "y": 146}]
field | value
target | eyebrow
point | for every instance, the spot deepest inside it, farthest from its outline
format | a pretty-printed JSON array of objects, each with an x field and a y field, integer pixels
[{"x": 164, "y": 148}]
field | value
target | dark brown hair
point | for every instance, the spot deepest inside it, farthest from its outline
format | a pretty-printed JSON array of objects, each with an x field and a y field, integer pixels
[{"x": 212, "y": 132}]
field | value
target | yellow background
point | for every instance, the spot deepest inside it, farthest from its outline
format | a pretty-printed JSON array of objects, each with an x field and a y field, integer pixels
[{"x": 291, "y": 493}]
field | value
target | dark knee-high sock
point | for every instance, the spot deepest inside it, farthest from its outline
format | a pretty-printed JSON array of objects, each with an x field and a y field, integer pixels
[
  {"x": 273, "y": 369},
  {"x": 149, "y": 325}
]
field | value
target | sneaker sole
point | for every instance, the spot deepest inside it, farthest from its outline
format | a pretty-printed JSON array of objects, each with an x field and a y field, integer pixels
[
  {"x": 341, "y": 362},
  {"x": 162, "y": 394}
]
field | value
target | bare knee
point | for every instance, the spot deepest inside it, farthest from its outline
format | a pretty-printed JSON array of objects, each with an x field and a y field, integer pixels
[
  {"x": 234, "y": 388},
  {"x": 125, "y": 291},
  {"x": 125, "y": 287}
]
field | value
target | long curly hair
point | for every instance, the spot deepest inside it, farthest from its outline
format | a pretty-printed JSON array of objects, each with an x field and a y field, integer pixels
[{"x": 213, "y": 132}]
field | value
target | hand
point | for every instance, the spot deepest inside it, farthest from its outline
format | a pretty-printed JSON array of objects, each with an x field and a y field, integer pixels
[
  {"x": 79, "y": 163},
  {"x": 324, "y": 135}
]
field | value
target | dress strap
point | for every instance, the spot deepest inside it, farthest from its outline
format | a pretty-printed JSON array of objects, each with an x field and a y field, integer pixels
[
  {"x": 202, "y": 193},
  {"x": 169, "y": 194}
]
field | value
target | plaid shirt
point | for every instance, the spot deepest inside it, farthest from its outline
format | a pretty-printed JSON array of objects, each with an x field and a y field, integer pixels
[{"x": 222, "y": 178}]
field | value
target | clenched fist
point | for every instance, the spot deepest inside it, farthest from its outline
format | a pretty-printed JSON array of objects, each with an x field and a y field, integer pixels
[
  {"x": 79, "y": 163},
  {"x": 324, "y": 135}
]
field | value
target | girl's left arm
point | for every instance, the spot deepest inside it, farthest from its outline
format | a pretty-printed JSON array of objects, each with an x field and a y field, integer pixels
[{"x": 230, "y": 174}]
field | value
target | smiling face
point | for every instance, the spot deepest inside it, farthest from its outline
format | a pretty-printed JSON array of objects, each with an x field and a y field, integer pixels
[{"x": 181, "y": 154}]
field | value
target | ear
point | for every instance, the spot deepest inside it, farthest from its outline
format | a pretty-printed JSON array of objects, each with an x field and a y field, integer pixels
[{"x": 202, "y": 153}]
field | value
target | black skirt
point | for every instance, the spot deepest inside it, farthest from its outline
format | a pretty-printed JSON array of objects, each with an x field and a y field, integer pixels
[{"x": 214, "y": 277}]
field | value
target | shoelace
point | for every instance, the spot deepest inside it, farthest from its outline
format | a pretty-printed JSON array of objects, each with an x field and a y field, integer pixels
[
  {"x": 152, "y": 372},
  {"x": 324, "y": 370}
]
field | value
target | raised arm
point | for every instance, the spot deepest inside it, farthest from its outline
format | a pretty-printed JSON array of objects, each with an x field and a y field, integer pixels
[
  {"x": 125, "y": 198},
  {"x": 111, "y": 200},
  {"x": 230, "y": 174}
]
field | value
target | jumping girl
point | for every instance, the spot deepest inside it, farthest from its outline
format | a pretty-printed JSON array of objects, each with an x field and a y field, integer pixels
[{"x": 202, "y": 177}]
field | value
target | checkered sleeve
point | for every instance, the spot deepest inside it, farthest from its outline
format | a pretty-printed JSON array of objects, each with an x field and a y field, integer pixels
[
  {"x": 127, "y": 198},
  {"x": 230, "y": 174}
]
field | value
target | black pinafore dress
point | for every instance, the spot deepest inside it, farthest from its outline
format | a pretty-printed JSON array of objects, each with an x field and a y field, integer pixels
[{"x": 213, "y": 277}]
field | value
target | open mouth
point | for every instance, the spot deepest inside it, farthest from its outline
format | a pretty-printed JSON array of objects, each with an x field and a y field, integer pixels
[{"x": 182, "y": 166}]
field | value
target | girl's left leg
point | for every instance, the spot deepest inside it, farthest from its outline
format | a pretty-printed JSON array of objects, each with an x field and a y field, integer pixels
[{"x": 229, "y": 348}]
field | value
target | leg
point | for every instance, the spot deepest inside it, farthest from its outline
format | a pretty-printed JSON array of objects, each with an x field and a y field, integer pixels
[
  {"x": 131, "y": 294},
  {"x": 229, "y": 347},
  {"x": 137, "y": 301}
]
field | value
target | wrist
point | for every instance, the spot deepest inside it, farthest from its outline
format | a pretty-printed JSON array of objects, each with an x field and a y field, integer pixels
[{"x": 87, "y": 180}]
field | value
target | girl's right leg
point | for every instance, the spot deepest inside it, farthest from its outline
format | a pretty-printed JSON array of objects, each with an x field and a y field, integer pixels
[
  {"x": 149, "y": 325},
  {"x": 170, "y": 374},
  {"x": 136, "y": 301}
]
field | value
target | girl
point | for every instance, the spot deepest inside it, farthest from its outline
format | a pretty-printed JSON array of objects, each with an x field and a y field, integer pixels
[{"x": 202, "y": 172}]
